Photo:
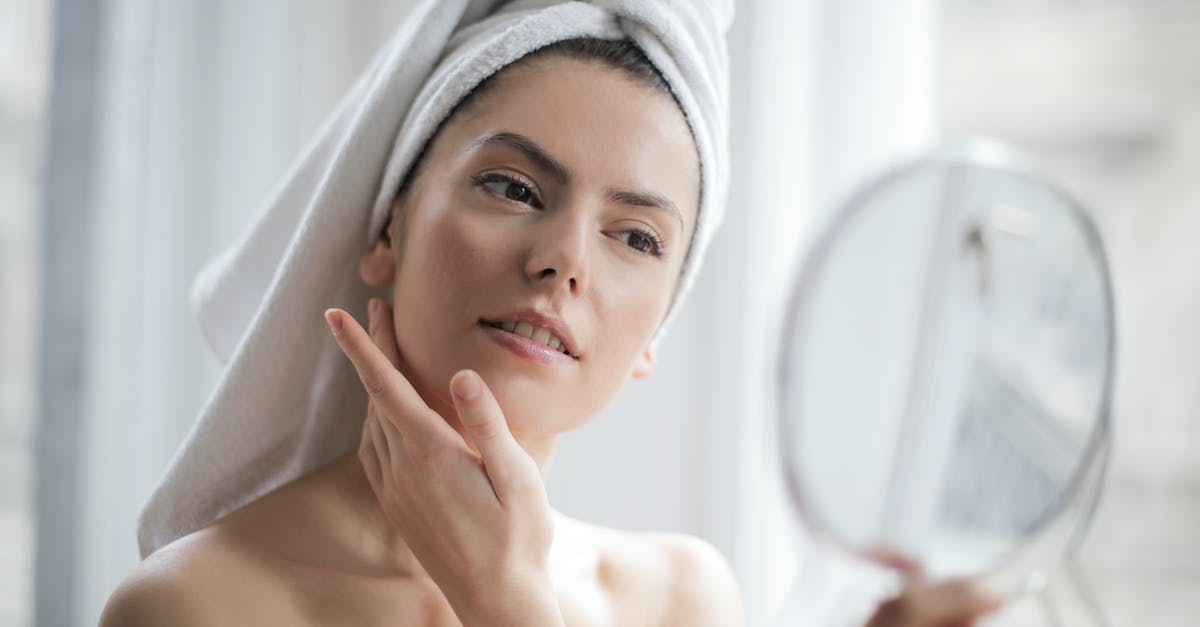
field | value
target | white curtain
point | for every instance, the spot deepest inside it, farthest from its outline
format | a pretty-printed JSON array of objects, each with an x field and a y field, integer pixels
[{"x": 205, "y": 103}]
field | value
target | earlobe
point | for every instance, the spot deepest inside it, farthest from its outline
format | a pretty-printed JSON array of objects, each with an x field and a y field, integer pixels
[
  {"x": 645, "y": 364},
  {"x": 377, "y": 267}
]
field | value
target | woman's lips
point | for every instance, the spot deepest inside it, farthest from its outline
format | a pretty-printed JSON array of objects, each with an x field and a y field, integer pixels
[{"x": 527, "y": 348}]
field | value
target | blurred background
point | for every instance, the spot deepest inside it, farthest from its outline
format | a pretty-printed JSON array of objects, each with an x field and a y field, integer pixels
[{"x": 137, "y": 138}]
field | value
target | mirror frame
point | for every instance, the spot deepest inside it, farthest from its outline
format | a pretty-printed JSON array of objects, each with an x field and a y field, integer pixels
[{"x": 974, "y": 153}]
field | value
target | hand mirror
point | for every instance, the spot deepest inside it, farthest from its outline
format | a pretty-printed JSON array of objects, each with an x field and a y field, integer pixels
[{"x": 946, "y": 366}]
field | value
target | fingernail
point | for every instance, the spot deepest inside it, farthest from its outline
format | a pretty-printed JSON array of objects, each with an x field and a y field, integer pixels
[
  {"x": 373, "y": 307},
  {"x": 467, "y": 388},
  {"x": 335, "y": 323}
]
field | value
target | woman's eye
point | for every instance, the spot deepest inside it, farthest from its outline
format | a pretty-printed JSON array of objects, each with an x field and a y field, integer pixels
[
  {"x": 509, "y": 188},
  {"x": 644, "y": 242}
]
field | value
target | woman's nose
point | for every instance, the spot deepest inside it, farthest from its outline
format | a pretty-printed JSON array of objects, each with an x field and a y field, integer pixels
[{"x": 557, "y": 258}]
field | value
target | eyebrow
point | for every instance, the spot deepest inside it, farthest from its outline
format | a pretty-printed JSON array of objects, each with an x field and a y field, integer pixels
[
  {"x": 530, "y": 149},
  {"x": 643, "y": 199},
  {"x": 539, "y": 156}
]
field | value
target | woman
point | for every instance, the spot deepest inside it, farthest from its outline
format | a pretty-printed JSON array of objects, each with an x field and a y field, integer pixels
[{"x": 532, "y": 251}]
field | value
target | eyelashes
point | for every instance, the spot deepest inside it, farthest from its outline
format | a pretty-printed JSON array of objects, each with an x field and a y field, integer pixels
[
  {"x": 512, "y": 187},
  {"x": 643, "y": 241}
]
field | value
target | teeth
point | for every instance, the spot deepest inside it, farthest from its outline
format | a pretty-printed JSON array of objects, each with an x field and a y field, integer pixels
[{"x": 537, "y": 334}]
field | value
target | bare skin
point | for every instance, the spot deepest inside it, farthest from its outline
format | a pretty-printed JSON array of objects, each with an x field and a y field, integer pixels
[
  {"x": 440, "y": 516},
  {"x": 302, "y": 556}
]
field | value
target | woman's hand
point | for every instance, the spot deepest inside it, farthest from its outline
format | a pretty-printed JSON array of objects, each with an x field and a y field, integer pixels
[
  {"x": 479, "y": 523},
  {"x": 955, "y": 603}
]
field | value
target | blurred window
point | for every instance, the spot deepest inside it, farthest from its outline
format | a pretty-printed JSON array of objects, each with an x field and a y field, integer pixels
[{"x": 24, "y": 77}]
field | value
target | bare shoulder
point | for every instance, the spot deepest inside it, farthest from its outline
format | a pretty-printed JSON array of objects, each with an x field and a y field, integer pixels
[
  {"x": 688, "y": 580},
  {"x": 195, "y": 581},
  {"x": 701, "y": 585}
]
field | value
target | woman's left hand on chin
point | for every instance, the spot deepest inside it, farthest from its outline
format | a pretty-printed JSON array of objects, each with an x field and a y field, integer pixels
[{"x": 479, "y": 523}]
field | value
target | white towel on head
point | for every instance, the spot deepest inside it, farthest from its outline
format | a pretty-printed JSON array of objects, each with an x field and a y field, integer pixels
[{"x": 279, "y": 409}]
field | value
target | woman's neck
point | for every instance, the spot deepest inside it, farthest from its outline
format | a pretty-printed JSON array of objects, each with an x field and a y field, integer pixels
[{"x": 365, "y": 522}]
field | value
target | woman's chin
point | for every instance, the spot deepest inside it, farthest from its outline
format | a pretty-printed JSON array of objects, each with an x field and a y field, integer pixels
[{"x": 531, "y": 405}]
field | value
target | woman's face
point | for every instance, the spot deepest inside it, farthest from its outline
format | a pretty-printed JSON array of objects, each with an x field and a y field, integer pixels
[{"x": 563, "y": 200}]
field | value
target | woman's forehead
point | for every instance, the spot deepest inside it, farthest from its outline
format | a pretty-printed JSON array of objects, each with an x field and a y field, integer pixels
[{"x": 594, "y": 126}]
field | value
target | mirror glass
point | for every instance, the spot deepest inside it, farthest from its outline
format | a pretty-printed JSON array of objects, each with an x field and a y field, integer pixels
[{"x": 946, "y": 365}]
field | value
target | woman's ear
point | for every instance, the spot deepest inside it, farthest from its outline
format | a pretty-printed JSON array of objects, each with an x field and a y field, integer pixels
[
  {"x": 377, "y": 267},
  {"x": 644, "y": 366}
]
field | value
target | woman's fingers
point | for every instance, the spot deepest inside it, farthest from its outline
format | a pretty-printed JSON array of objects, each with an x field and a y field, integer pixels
[
  {"x": 510, "y": 469},
  {"x": 948, "y": 604},
  {"x": 952, "y": 603},
  {"x": 389, "y": 390}
]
